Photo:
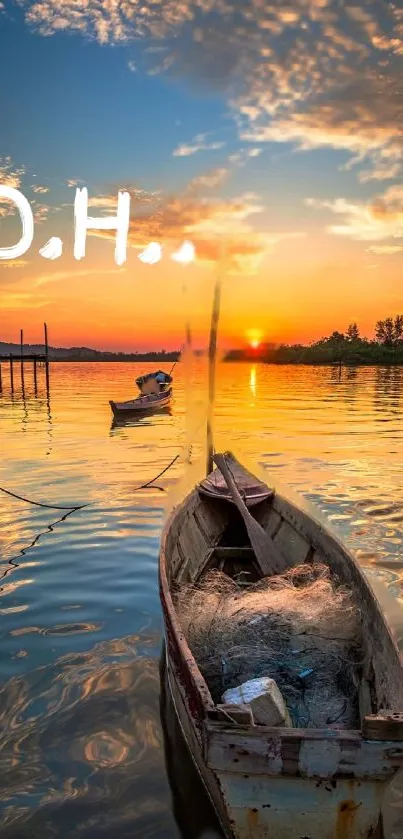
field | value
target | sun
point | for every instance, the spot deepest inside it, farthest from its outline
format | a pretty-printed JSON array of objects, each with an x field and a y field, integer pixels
[{"x": 254, "y": 338}]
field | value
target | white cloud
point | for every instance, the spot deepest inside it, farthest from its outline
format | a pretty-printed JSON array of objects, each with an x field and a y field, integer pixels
[
  {"x": 377, "y": 220},
  {"x": 187, "y": 149},
  {"x": 313, "y": 73}
]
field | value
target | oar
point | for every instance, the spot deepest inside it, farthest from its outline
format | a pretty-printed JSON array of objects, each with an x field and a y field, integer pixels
[{"x": 269, "y": 558}]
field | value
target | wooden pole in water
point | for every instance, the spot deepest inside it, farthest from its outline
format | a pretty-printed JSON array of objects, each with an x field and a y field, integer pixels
[
  {"x": 35, "y": 378},
  {"x": 1, "y": 382},
  {"x": 11, "y": 373},
  {"x": 212, "y": 353},
  {"x": 46, "y": 356},
  {"x": 22, "y": 356}
]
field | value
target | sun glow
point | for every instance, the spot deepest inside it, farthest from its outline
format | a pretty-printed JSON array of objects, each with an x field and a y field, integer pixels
[{"x": 254, "y": 337}]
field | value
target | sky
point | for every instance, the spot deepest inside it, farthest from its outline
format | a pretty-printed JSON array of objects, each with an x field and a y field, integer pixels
[{"x": 269, "y": 134}]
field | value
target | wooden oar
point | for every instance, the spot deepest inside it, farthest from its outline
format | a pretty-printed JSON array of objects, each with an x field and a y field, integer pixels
[{"x": 269, "y": 558}]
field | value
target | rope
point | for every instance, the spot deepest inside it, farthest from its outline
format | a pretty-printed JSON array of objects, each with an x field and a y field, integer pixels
[
  {"x": 39, "y": 504},
  {"x": 89, "y": 504},
  {"x": 144, "y": 486},
  {"x": 81, "y": 506}
]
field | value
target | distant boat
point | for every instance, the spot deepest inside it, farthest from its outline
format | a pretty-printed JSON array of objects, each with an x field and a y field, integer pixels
[{"x": 155, "y": 395}]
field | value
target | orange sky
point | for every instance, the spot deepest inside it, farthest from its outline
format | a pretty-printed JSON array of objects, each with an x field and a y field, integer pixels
[{"x": 299, "y": 293}]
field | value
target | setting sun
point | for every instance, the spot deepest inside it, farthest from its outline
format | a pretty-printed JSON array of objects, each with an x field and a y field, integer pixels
[{"x": 254, "y": 337}]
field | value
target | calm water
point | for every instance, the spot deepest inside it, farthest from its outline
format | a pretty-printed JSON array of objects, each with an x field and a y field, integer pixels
[{"x": 82, "y": 750}]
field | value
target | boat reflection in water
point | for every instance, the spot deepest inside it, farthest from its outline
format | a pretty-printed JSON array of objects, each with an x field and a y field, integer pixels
[
  {"x": 133, "y": 420},
  {"x": 191, "y": 805}
]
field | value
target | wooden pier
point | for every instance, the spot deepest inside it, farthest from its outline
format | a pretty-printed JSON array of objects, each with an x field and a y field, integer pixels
[{"x": 26, "y": 358}]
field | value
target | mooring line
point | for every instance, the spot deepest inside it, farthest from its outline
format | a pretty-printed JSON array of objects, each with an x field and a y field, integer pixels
[{"x": 40, "y": 504}]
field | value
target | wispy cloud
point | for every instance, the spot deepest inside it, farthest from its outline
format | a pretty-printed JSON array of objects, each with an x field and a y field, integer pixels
[
  {"x": 59, "y": 276},
  {"x": 312, "y": 73},
  {"x": 14, "y": 301},
  {"x": 388, "y": 250},
  {"x": 39, "y": 189},
  {"x": 196, "y": 145},
  {"x": 10, "y": 175},
  {"x": 209, "y": 180},
  {"x": 74, "y": 182},
  {"x": 381, "y": 218},
  {"x": 212, "y": 224}
]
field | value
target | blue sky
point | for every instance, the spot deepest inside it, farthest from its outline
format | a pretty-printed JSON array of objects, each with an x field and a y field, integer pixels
[{"x": 276, "y": 129}]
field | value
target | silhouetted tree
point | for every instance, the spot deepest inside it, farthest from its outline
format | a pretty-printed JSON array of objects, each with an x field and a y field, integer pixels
[
  {"x": 336, "y": 338},
  {"x": 398, "y": 328},
  {"x": 353, "y": 333},
  {"x": 389, "y": 331}
]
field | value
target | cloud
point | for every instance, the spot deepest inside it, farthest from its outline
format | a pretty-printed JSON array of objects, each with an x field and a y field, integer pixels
[
  {"x": 241, "y": 157},
  {"x": 58, "y": 276},
  {"x": 39, "y": 189},
  {"x": 381, "y": 218},
  {"x": 198, "y": 144},
  {"x": 14, "y": 263},
  {"x": 210, "y": 180},
  {"x": 74, "y": 182},
  {"x": 10, "y": 175},
  {"x": 214, "y": 226},
  {"x": 40, "y": 211},
  {"x": 104, "y": 202},
  {"x": 313, "y": 73},
  {"x": 385, "y": 249},
  {"x": 11, "y": 300}
]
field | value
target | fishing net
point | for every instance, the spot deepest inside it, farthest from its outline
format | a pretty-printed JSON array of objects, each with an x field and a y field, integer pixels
[{"x": 299, "y": 628}]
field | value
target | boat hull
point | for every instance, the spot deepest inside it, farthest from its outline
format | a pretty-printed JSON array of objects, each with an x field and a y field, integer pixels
[
  {"x": 277, "y": 783},
  {"x": 142, "y": 405},
  {"x": 274, "y": 805}
]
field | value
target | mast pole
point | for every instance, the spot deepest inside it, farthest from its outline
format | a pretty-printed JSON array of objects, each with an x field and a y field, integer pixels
[{"x": 212, "y": 357}]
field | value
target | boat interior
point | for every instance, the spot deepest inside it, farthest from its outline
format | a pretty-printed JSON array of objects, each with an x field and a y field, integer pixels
[{"x": 208, "y": 532}]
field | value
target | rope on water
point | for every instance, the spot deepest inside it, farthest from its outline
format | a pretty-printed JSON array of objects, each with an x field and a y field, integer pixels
[
  {"x": 89, "y": 504},
  {"x": 40, "y": 504},
  {"x": 144, "y": 486}
]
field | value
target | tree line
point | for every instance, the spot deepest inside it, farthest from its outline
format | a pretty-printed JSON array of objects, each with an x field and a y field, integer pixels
[{"x": 348, "y": 347}]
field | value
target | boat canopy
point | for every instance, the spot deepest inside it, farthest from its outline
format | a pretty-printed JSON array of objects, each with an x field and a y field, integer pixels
[{"x": 159, "y": 376}]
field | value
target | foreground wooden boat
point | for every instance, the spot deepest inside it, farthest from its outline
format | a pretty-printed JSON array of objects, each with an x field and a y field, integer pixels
[
  {"x": 279, "y": 783},
  {"x": 143, "y": 404}
]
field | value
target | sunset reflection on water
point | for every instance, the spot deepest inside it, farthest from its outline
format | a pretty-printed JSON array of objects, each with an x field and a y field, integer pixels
[{"x": 82, "y": 748}]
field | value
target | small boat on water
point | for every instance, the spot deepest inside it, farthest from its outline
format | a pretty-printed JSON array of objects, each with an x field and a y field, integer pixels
[
  {"x": 155, "y": 395},
  {"x": 279, "y": 782}
]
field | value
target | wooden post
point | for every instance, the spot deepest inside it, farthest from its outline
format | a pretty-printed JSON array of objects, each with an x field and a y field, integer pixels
[
  {"x": 1, "y": 382},
  {"x": 35, "y": 378},
  {"x": 11, "y": 373},
  {"x": 46, "y": 356},
  {"x": 46, "y": 341},
  {"x": 22, "y": 357}
]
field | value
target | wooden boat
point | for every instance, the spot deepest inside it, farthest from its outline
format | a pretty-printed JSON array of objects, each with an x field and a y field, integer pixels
[
  {"x": 146, "y": 404},
  {"x": 279, "y": 783}
]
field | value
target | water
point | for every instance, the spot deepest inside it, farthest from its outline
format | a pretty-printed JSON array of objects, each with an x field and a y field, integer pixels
[{"x": 82, "y": 750}]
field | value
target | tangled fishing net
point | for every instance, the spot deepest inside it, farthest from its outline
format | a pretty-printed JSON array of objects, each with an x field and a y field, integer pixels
[{"x": 299, "y": 628}]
